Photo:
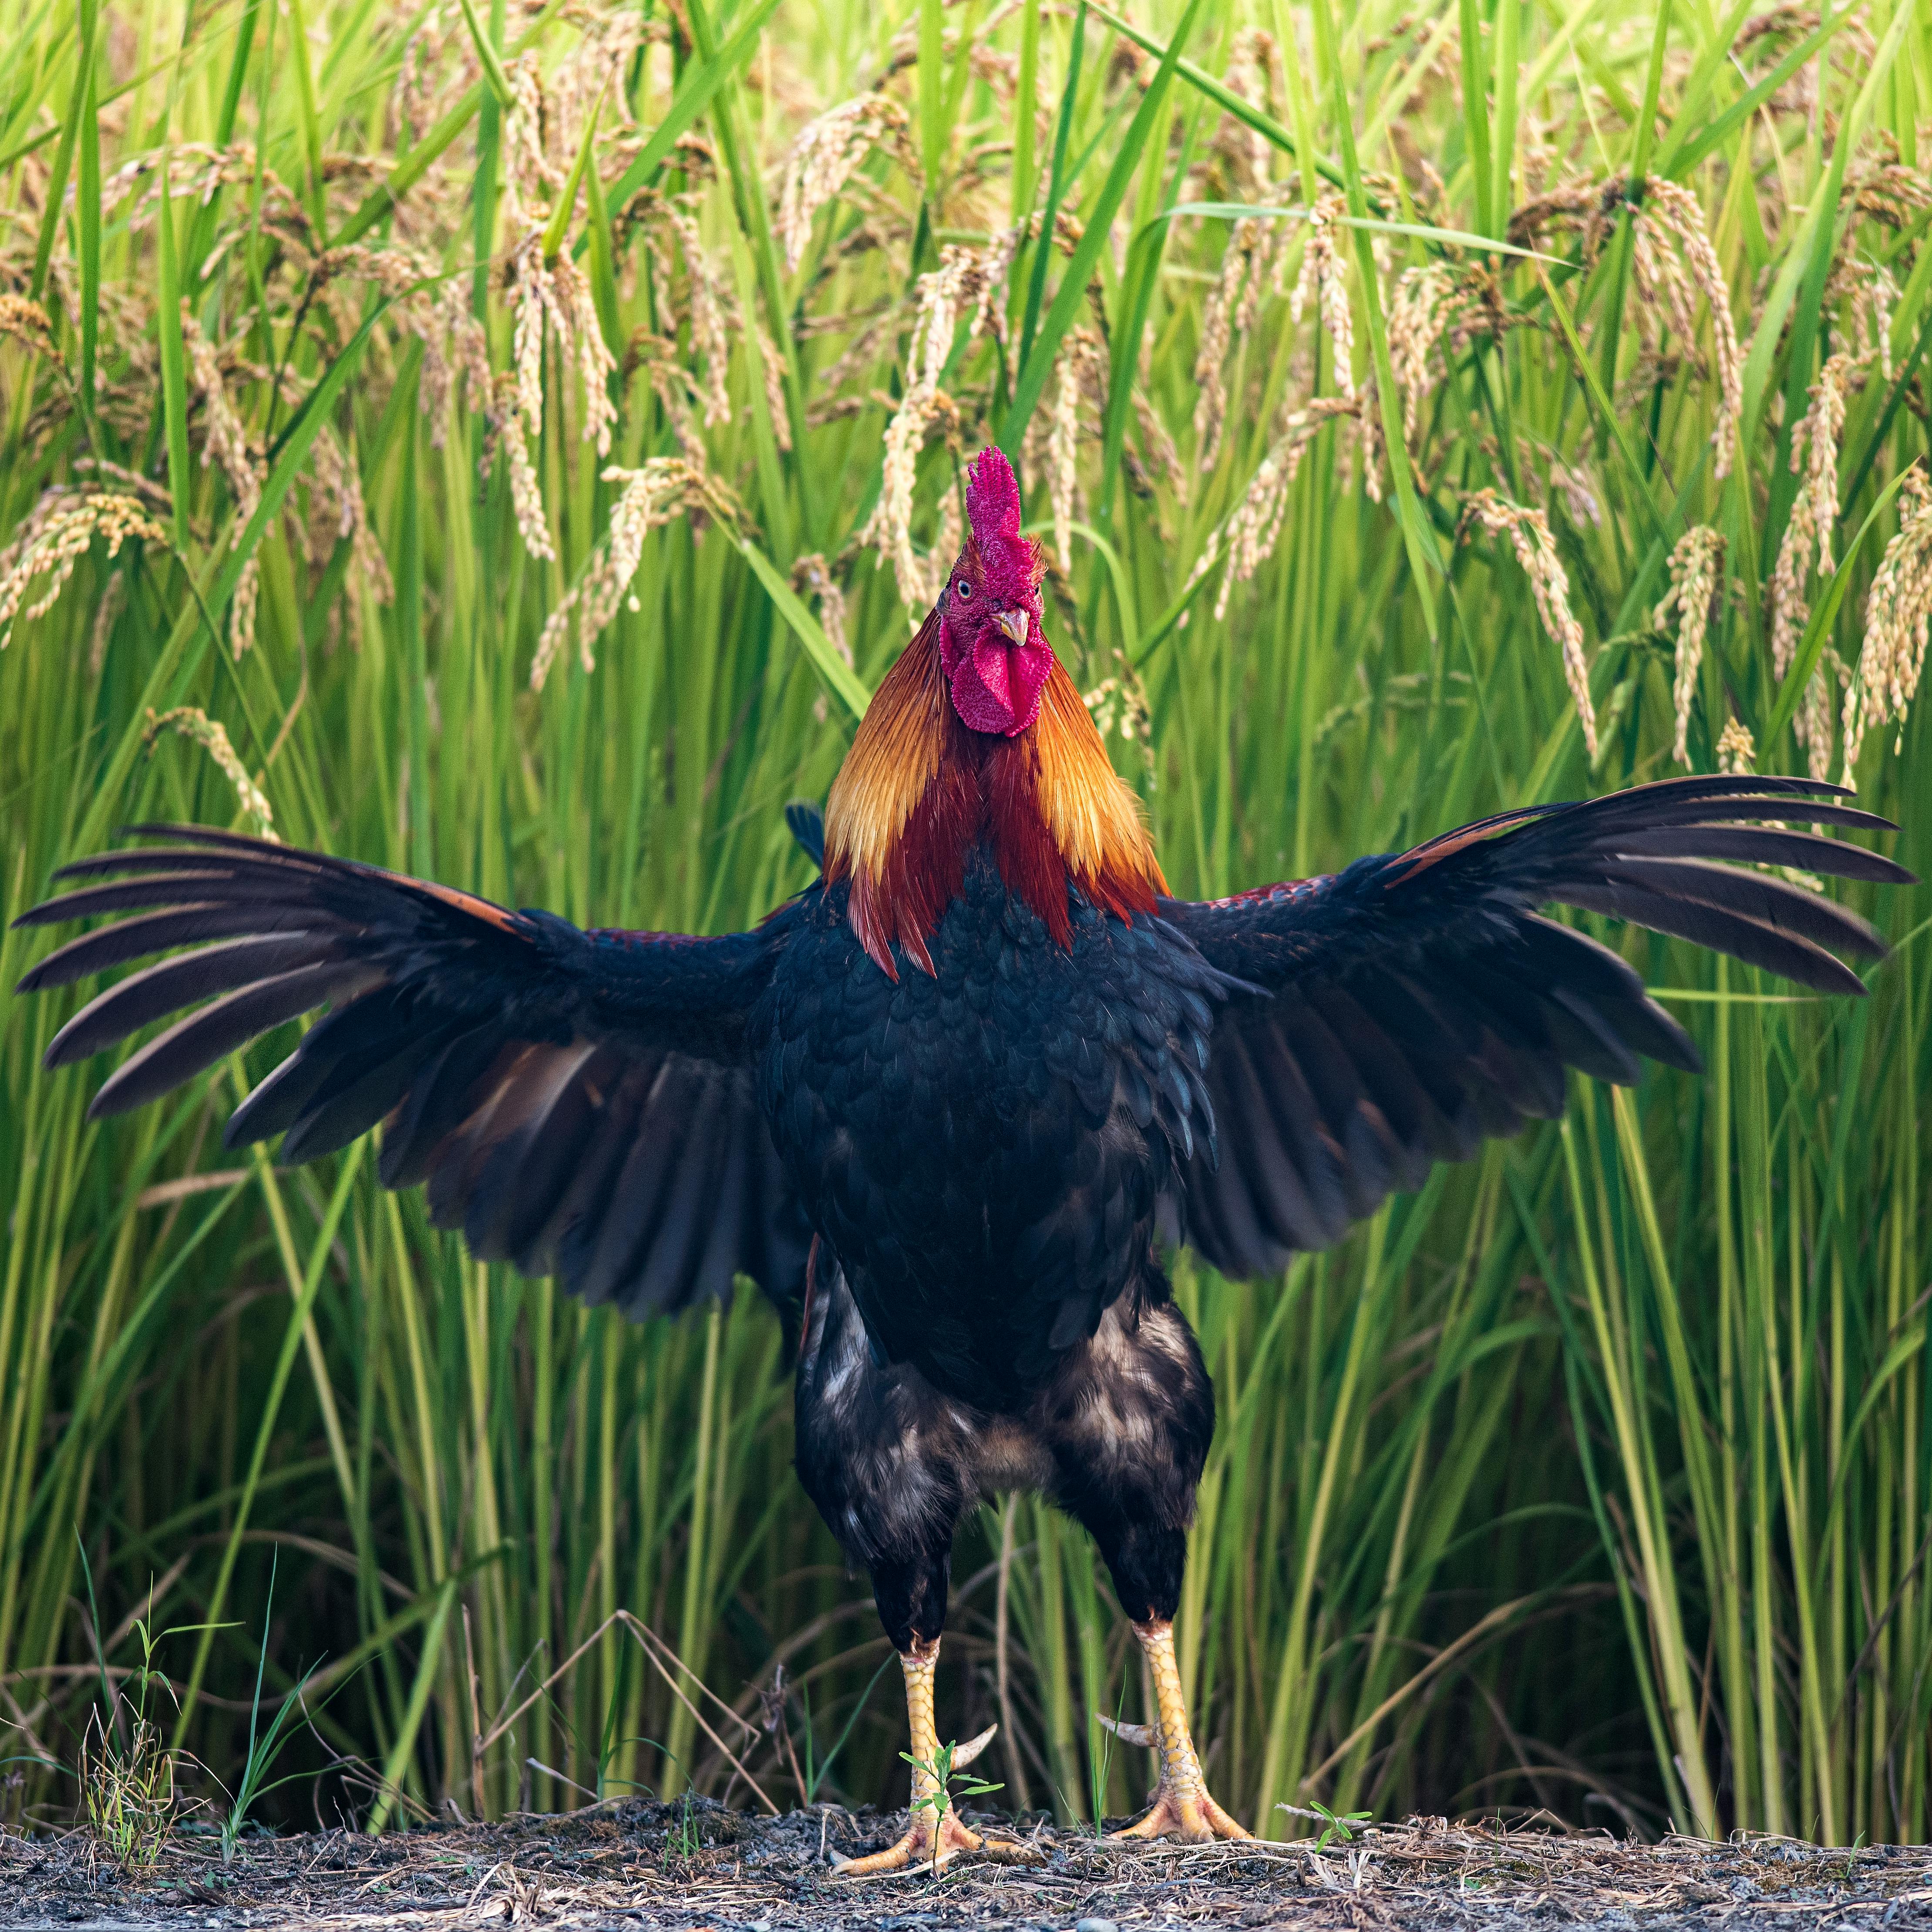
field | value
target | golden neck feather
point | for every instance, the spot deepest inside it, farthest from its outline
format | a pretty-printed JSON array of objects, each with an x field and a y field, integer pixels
[{"x": 918, "y": 788}]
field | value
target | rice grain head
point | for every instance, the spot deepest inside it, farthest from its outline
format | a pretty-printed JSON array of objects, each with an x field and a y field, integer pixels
[
  {"x": 1696, "y": 569},
  {"x": 823, "y": 157},
  {"x": 1078, "y": 372},
  {"x": 1253, "y": 527},
  {"x": 192, "y": 722},
  {"x": 530, "y": 178},
  {"x": 1806, "y": 544},
  {"x": 811, "y": 574},
  {"x": 226, "y": 448},
  {"x": 666, "y": 488},
  {"x": 27, "y": 322},
  {"x": 1225, "y": 318},
  {"x": 526, "y": 493},
  {"x": 52, "y": 543},
  {"x": 1670, "y": 212},
  {"x": 1737, "y": 756},
  {"x": 1897, "y": 614},
  {"x": 1529, "y": 536},
  {"x": 771, "y": 371},
  {"x": 970, "y": 283},
  {"x": 1419, "y": 315}
]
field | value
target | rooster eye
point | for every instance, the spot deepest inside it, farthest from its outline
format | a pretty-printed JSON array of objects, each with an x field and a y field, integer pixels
[{"x": 962, "y": 589}]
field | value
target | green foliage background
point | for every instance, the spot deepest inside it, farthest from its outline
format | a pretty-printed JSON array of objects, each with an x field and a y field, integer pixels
[{"x": 1598, "y": 1476}]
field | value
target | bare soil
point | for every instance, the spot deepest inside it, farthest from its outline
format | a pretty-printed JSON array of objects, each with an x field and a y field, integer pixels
[{"x": 666, "y": 1868}]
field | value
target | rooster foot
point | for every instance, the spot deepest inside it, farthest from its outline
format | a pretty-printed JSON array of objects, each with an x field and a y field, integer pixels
[
  {"x": 916, "y": 1848},
  {"x": 1190, "y": 1815},
  {"x": 1182, "y": 1808}
]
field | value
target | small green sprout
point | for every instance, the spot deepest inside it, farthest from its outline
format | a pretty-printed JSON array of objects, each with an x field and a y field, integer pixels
[
  {"x": 1336, "y": 1828},
  {"x": 947, "y": 1784}
]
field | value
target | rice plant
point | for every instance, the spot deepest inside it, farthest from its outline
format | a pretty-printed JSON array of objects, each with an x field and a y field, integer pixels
[{"x": 508, "y": 443}]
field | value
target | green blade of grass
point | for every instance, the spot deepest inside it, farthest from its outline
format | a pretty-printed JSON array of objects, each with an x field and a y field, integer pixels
[
  {"x": 1425, "y": 559},
  {"x": 177, "y": 663},
  {"x": 1684, "y": 150},
  {"x": 558, "y": 225},
  {"x": 293, "y": 1329},
  {"x": 70, "y": 134},
  {"x": 307, "y": 124},
  {"x": 931, "y": 94},
  {"x": 1037, "y": 361},
  {"x": 1224, "y": 97},
  {"x": 382, "y": 200},
  {"x": 396, "y": 1768},
  {"x": 492, "y": 63},
  {"x": 699, "y": 83},
  {"x": 174, "y": 367},
  {"x": 1056, "y": 185},
  {"x": 87, "y": 209},
  {"x": 1473, "y": 50},
  {"x": 839, "y": 677}
]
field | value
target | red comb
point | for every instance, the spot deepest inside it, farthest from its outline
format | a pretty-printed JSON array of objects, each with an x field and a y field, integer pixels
[
  {"x": 1012, "y": 563},
  {"x": 992, "y": 498}
]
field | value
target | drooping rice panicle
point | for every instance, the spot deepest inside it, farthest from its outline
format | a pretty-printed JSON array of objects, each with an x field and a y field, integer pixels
[
  {"x": 665, "y": 487},
  {"x": 50, "y": 545},
  {"x": 1529, "y": 536},
  {"x": 194, "y": 723},
  {"x": 1898, "y": 612},
  {"x": 1696, "y": 569},
  {"x": 823, "y": 157}
]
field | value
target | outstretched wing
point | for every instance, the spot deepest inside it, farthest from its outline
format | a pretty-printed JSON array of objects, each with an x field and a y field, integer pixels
[
  {"x": 579, "y": 1103},
  {"x": 1417, "y": 1003}
]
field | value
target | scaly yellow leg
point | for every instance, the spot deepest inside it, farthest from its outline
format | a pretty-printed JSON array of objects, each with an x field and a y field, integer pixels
[
  {"x": 921, "y": 1665},
  {"x": 1182, "y": 1807}
]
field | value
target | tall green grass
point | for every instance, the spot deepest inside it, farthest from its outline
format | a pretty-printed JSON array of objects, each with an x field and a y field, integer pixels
[{"x": 1598, "y": 1476}]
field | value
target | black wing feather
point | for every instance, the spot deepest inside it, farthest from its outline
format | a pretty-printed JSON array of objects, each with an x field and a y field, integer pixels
[
  {"x": 521, "y": 1067},
  {"x": 1411, "y": 1005}
]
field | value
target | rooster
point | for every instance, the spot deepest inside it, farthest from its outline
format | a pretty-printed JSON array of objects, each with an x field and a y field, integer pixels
[{"x": 960, "y": 1092}]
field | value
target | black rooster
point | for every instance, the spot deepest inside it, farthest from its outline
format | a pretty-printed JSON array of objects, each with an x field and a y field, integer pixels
[{"x": 960, "y": 1088}]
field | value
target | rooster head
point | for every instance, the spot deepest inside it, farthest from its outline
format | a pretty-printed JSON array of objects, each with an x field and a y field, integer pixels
[{"x": 994, "y": 654}]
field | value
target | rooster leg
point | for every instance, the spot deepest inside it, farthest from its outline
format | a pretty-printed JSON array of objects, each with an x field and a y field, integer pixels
[
  {"x": 1182, "y": 1806},
  {"x": 931, "y": 1838},
  {"x": 1129, "y": 1417}
]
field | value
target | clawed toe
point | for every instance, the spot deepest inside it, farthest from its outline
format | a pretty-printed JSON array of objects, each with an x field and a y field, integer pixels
[
  {"x": 916, "y": 1848},
  {"x": 1191, "y": 1816}
]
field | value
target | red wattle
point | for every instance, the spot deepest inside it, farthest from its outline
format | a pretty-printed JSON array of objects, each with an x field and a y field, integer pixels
[
  {"x": 996, "y": 686},
  {"x": 991, "y": 660}
]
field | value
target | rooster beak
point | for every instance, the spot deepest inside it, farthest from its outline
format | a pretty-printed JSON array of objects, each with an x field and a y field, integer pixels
[{"x": 1013, "y": 622}]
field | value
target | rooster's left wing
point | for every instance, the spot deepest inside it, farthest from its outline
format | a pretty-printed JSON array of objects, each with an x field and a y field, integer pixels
[{"x": 1405, "y": 1009}]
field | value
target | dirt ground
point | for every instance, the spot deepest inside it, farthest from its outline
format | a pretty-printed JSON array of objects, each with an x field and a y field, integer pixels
[{"x": 666, "y": 1868}]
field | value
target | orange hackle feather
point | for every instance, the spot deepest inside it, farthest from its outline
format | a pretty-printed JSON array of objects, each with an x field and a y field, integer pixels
[{"x": 919, "y": 789}]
